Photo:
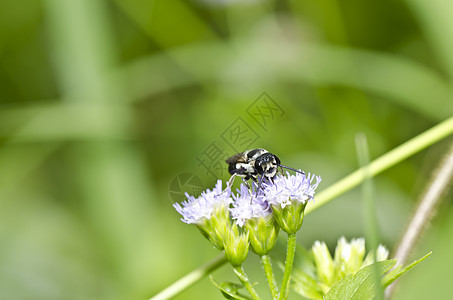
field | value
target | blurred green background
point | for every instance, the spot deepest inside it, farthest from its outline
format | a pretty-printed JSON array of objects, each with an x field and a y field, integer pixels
[{"x": 109, "y": 106}]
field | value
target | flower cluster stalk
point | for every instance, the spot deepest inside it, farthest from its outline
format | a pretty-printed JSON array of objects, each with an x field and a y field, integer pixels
[
  {"x": 290, "y": 252},
  {"x": 246, "y": 282},
  {"x": 269, "y": 273}
]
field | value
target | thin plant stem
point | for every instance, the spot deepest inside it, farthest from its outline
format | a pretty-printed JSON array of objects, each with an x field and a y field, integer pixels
[
  {"x": 372, "y": 226},
  {"x": 290, "y": 252},
  {"x": 189, "y": 279},
  {"x": 439, "y": 183},
  {"x": 267, "y": 267},
  {"x": 246, "y": 282}
]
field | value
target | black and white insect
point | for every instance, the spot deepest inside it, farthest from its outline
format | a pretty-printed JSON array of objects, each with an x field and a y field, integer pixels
[{"x": 256, "y": 164}]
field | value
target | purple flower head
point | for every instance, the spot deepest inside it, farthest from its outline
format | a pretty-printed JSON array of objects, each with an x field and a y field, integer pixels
[
  {"x": 248, "y": 205},
  {"x": 286, "y": 189},
  {"x": 195, "y": 209}
]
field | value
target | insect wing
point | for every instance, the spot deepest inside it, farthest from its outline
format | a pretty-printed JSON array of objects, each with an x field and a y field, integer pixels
[{"x": 237, "y": 158}]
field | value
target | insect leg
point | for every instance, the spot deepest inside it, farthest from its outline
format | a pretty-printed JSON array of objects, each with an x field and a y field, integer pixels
[
  {"x": 260, "y": 181},
  {"x": 231, "y": 181},
  {"x": 246, "y": 183},
  {"x": 228, "y": 185}
]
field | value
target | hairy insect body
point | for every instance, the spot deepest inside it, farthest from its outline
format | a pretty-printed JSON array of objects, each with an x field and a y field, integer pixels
[
  {"x": 256, "y": 164},
  {"x": 253, "y": 163}
]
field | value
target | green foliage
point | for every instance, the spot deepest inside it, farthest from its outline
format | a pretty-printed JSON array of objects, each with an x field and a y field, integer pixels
[
  {"x": 356, "y": 284},
  {"x": 230, "y": 290},
  {"x": 396, "y": 272},
  {"x": 306, "y": 285},
  {"x": 359, "y": 285},
  {"x": 349, "y": 275}
]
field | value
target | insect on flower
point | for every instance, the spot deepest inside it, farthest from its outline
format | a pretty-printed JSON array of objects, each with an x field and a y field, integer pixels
[{"x": 256, "y": 164}]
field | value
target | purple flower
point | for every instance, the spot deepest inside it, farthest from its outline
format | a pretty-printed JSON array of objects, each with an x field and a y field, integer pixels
[
  {"x": 286, "y": 189},
  {"x": 248, "y": 205},
  {"x": 195, "y": 210}
]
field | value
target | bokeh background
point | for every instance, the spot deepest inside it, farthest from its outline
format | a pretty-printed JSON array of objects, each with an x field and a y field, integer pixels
[{"x": 111, "y": 109}]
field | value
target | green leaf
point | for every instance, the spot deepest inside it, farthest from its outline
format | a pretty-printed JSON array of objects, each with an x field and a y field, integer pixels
[
  {"x": 305, "y": 285},
  {"x": 390, "y": 277},
  {"x": 304, "y": 270},
  {"x": 229, "y": 290},
  {"x": 304, "y": 261},
  {"x": 360, "y": 285}
]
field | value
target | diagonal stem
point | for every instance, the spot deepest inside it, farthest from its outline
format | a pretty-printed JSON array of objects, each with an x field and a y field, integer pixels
[
  {"x": 186, "y": 281},
  {"x": 440, "y": 182},
  {"x": 384, "y": 162}
]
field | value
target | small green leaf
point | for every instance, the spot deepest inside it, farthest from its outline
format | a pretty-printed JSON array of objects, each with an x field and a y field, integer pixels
[
  {"x": 390, "y": 277},
  {"x": 229, "y": 290},
  {"x": 305, "y": 285},
  {"x": 303, "y": 281},
  {"x": 304, "y": 261},
  {"x": 360, "y": 285}
]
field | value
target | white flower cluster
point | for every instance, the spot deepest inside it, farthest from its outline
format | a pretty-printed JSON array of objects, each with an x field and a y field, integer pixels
[
  {"x": 285, "y": 189},
  {"x": 195, "y": 209}
]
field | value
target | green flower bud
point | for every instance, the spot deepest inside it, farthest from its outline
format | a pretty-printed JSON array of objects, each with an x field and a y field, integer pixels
[
  {"x": 349, "y": 256},
  {"x": 220, "y": 224},
  {"x": 263, "y": 232},
  {"x": 382, "y": 253},
  {"x": 290, "y": 217},
  {"x": 324, "y": 265},
  {"x": 236, "y": 246},
  {"x": 348, "y": 260},
  {"x": 205, "y": 227},
  {"x": 209, "y": 213},
  {"x": 288, "y": 197}
]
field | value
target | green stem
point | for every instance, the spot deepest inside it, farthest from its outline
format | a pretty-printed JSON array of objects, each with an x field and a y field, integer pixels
[
  {"x": 290, "y": 251},
  {"x": 384, "y": 162},
  {"x": 186, "y": 281},
  {"x": 267, "y": 266},
  {"x": 372, "y": 225},
  {"x": 245, "y": 282}
]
